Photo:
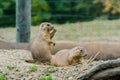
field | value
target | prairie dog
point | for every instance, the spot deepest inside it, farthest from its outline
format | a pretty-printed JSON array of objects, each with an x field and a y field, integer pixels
[
  {"x": 41, "y": 45},
  {"x": 68, "y": 56}
]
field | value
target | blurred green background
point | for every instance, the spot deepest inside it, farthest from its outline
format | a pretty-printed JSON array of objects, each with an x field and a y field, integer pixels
[{"x": 62, "y": 11}]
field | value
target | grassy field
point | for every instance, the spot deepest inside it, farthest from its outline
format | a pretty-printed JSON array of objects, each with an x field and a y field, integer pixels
[{"x": 97, "y": 30}]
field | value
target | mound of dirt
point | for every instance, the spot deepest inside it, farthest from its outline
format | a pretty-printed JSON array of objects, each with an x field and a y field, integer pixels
[{"x": 13, "y": 65}]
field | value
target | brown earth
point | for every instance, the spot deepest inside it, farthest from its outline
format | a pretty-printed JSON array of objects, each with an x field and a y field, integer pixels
[{"x": 21, "y": 70}]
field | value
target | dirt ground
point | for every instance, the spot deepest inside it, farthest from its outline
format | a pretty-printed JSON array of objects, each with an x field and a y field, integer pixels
[
  {"x": 21, "y": 69},
  {"x": 14, "y": 67}
]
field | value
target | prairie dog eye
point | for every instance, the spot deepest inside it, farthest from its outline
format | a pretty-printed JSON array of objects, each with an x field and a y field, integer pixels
[
  {"x": 48, "y": 24},
  {"x": 81, "y": 50}
]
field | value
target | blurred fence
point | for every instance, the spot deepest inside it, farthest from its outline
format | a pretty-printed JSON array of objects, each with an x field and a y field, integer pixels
[
  {"x": 56, "y": 11},
  {"x": 71, "y": 15}
]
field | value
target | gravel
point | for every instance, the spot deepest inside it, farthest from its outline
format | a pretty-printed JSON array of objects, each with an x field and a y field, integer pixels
[{"x": 21, "y": 69}]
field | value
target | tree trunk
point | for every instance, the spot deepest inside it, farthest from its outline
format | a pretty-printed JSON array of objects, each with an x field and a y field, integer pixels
[{"x": 107, "y": 67}]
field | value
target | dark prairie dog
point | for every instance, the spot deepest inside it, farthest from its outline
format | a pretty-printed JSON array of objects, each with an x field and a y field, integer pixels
[
  {"x": 41, "y": 45},
  {"x": 67, "y": 57}
]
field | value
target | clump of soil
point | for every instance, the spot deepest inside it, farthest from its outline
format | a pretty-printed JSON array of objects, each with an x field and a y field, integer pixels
[{"x": 13, "y": 65}]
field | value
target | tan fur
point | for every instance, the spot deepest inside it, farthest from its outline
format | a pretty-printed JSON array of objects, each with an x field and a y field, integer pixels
[
  {"x": 107, "y": 50},
  {"x": 41, "y": 45},
  {"x": 67, "y": 57}
]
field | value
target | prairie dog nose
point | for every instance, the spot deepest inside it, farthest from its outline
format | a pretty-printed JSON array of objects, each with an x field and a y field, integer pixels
[
  {"x": 51, "y": 27},
  {"x": 85, "y": 53}
]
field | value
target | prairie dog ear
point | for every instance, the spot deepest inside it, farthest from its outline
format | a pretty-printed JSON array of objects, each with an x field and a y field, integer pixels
[{"x": 41, "y": 26}]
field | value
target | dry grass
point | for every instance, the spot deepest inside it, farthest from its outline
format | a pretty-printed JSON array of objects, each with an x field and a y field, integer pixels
[
  {"x": 90, "y": 31},
  {"x": 98, "y": 30}
]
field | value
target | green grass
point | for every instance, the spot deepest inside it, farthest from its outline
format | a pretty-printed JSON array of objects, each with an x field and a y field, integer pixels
[
  {"x": 97, "y": 30},
  {"x": 47, "y": 77},
  {"x": 2, "y": 76},
  {"x": 50, "y": 69},
  {"x": 33, "y": 68},
  {"x": 9, "y": 67}
]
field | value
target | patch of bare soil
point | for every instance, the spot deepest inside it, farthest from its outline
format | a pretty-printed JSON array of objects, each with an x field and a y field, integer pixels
[{"x": 13, "y": 65}]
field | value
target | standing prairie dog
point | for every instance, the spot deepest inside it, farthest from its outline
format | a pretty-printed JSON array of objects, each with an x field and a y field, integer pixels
[
  {"x": 67, "y": 57},
  {"x": 41, "y": 45}
]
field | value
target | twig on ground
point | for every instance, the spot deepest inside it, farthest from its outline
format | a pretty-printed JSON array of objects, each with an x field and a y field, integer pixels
[{"x": 93, "y": 57}]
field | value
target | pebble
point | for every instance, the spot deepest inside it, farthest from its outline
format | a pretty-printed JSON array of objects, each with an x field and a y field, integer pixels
[{"x": 16, "y": 57}]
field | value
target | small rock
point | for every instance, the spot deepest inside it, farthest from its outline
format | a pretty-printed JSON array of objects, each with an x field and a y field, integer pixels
[{"x": 70, "y": 78}]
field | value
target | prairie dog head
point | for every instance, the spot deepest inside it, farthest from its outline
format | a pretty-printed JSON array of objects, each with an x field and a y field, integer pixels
[
  {"x": 46, "y": 27},
  {"x": 78, "y": 52}
]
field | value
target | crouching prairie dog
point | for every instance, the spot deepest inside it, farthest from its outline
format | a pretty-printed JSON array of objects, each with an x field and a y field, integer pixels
[
  {"x": 107, "y": 50},
  {"x": 67, "y": 57},
  {"x": 42, "y": 44}
]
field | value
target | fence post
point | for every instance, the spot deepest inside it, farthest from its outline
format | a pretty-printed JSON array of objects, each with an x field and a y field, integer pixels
[{"x": 23, "y": 20}]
